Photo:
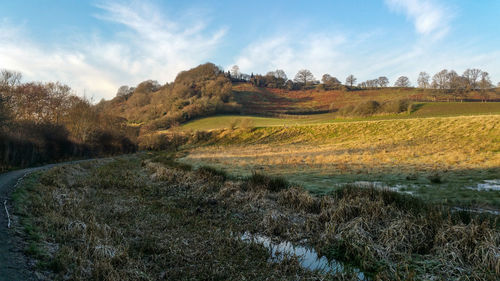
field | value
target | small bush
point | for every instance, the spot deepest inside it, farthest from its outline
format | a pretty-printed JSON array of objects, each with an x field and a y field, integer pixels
[
  {"x": 366, "y": 108},
  {"x": 394, "y": 106}
]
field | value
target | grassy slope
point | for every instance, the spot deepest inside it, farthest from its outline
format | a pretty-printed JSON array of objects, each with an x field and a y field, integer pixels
[
  {"x": 422, "y": 110},
  {"x": 256, "y": 100},
  {"x": 459, "y": 151}
]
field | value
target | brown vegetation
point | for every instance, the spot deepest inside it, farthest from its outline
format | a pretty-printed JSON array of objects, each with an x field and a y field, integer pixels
[
  {"x": 44, "y": 122},
  {"x": 118, "y": 220}
]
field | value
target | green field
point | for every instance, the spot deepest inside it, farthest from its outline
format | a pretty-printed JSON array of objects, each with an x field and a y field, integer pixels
[{"x": 421, "y": 110}]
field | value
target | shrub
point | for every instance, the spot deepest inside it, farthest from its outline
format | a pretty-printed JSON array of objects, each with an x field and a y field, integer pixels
[
  {"x": 366, "y": 108},
  {"x": 394, "y": 106}
]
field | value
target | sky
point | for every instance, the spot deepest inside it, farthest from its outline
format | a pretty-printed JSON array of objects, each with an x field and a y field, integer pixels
[{"x": 97, "y": 46}]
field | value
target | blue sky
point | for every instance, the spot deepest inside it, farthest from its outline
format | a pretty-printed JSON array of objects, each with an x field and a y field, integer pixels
[{"x": 96, "y": 46}]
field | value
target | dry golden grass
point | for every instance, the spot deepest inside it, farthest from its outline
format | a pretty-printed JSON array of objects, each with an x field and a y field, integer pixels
[
  {"x": 141, "y": 220},
  {"x": 458, "y": 149}
]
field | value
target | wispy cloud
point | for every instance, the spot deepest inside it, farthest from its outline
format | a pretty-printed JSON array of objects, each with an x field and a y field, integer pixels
[
  {"x": 318, "y": 52},
  {"x": 148, "y": 46},
  {"x": 429, "y": 17}
]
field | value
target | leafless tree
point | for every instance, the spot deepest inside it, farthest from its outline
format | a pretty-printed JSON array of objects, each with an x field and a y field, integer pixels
[
  {"x": 440, "y": 79},
  {"x": 235, "y": 71},
  {"x": 124, "y": 91},
  {"x": 423, "y": 80},
  {"x": 350, "y": 80},
  {"x": 9, "y": 78},
  {"x": 485, "y": 82},
  {"x": 403, "y": 82},
  {"x": 472, "y": 76},
  {"x": 280, "y": 74},
  {"x": 383, "y": 81},
  {"x": 329, "y": 80},
  {"x": 304, "y": 76}
]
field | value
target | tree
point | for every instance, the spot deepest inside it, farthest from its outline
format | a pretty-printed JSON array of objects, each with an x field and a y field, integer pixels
[
  {"x": 440, "y": 80},
  {"x": 124, "y": 91},
  {"x": 304, "y": 76},
  {"x": 235, "y": 72},
  {"x": 472, "y": 76},
  {"x": 9, "y": 78},
  {"x": 350, "y": 80},
  {"x": 280, "y": 74},
  {"x": 4, "y": 111},
  {"x": 485, "y": 82},
  {"x": 383, "y": 81},
  {"x": 402, "y": 82},
  {"x": 329, "y": 80},
  {"x": 275, "y": 79},
  {"x": 454, "y": 80},
  {"x": 423, "y": 80}
]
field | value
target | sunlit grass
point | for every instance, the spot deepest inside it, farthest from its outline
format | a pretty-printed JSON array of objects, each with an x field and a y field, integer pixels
[
  {"x": 421, "y": 110},
  {"x": 461, "y": 151}
]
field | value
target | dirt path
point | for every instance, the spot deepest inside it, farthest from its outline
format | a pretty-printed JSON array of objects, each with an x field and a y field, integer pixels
[{"x": 13, "y": 263}]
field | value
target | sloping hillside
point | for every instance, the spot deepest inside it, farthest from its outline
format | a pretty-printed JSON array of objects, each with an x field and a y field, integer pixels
[
  {"x": 206, "y": 90},
  {"x": 256, "y": 100}
]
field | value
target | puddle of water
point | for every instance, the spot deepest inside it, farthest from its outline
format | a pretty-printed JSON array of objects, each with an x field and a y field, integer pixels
[
  {"x": 377, "y": 184},
  {"x": 476, "y": 210},
  {"x": 487, "y": 185},
  {"x": 308, "y": 257}
]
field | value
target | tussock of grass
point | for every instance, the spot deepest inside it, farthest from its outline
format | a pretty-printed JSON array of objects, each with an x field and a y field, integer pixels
[
  {"x": 260, "y": 181},
  {"x": 183, "y": 225}
]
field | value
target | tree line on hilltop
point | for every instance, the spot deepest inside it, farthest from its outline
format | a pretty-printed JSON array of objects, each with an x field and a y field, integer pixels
[{"x": 471, "y": 79}]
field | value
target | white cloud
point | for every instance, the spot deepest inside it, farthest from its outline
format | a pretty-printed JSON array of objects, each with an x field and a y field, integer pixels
[
  {"x": 317, "y": 52},
  {"x": 341, "y": 55},
  {"x": 429, "y": 17},
  {"x": 148, "y": 47}
]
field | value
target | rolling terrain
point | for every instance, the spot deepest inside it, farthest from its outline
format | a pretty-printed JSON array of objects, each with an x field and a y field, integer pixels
[{"x": 421, "y": 110}]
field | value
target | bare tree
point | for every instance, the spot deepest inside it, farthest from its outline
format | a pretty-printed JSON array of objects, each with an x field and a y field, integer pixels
[
  {"x": 124, "y": 91},
  {"x": 472, "y": 76},
  {"x": 440, "y": 79},
  {"x": 485, "y": 82},
  {"x": 402, "y": 82},
  {"x": 235, "y": 71},
  {"x": 423, "y": 80},
  {"x": 304, "y": 76},
  {"x": 329, "y": 80},
  {"x": 383, "y": 81},
  {"x": 280, "y": 74},
  {"x": 9, "y": 78},
  {"x": 350, "y": 80},
  {"x": 4, "y": 111},
  {"x": 454, "y": 80}
]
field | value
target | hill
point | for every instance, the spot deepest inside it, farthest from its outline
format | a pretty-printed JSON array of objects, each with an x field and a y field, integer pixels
[
  {"x": 421, "y": 110},
  {"x": 207, "y": 91}
]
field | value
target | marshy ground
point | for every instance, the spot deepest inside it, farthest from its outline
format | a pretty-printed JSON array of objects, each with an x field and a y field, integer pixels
[
  {"x": 440, "y": 159},
  {"x": 146, "y": 217}
]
